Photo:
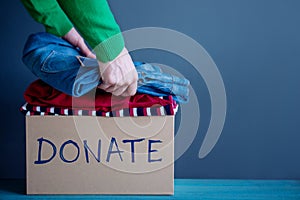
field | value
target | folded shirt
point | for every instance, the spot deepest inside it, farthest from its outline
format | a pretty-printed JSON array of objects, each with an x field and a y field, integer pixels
[
  {"x": 29, "y": 110},
  {"x": 39, "y": 95}
]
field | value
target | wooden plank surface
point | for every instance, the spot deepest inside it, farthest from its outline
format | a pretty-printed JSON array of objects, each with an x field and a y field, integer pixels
[{"x": 184, "y": 189}]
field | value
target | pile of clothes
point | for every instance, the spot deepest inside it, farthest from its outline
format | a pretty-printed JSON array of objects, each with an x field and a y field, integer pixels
[{"x": 68, "y": 81}]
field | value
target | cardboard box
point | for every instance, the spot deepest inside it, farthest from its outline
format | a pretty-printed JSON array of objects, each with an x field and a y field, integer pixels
[{"x": 100, "y": 155}]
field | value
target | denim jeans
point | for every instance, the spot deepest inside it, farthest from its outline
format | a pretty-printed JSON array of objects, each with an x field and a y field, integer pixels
[{"x": 62, "y": 66}]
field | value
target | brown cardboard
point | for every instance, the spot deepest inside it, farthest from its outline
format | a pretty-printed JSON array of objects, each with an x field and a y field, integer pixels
[{"x": 65, "y": 175}]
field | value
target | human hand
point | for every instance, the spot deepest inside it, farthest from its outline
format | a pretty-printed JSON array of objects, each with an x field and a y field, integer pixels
[
  {"x": 76, "y": 40},
  {"x": 119, "y": 76}
]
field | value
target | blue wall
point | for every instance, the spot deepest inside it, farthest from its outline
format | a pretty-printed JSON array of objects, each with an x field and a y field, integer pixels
[{"x": 256, "y": 46}]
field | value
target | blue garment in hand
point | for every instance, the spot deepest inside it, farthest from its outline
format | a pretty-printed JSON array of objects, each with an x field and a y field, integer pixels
[{"x": 62, "y": 66}]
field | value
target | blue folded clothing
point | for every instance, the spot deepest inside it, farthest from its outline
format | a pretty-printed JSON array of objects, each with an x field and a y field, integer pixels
[{"x": 61, "y": 65}]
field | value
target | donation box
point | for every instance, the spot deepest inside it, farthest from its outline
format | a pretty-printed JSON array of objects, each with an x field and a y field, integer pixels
[{"x": 100, "y": 155}]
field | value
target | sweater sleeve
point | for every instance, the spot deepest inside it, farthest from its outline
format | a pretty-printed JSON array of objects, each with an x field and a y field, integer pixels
[
  {"x": 95, "y": 22},
  {"x": 49, "y": 13}
]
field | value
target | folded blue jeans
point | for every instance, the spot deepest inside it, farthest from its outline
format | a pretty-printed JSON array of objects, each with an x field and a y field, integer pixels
[{"x": 63, "y": 66}]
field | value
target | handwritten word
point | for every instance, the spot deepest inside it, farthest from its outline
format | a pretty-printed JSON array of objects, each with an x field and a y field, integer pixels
[{"x": 113, "y": 145}]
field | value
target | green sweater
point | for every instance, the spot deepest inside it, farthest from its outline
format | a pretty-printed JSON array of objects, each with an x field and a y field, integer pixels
[{"x": 92, "y": 18}]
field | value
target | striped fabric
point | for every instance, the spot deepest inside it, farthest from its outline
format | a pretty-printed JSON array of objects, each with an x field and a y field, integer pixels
[{"x": 30, "y": 110}]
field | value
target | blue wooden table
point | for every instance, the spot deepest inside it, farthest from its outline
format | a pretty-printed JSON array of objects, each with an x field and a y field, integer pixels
[{"x": 184, "y": 189}]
